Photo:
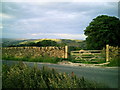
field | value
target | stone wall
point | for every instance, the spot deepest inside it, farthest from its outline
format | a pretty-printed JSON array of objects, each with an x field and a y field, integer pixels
[
  {"x": 34, "y": 51},
  {"x": 114, "y": 51}
]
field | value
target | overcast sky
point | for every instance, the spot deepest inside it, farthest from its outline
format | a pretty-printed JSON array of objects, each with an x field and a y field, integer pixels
[{"x": 63, "y": 20}]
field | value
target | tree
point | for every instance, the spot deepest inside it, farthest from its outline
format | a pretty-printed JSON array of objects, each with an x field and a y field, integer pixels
[
  {"x": 47, "y": 43},
  {"x": 31, "y": 44},
  {"x": 101, "y": 31}
]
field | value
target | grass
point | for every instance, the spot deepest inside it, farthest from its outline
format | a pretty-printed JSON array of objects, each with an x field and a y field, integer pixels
[
  {"x": 114, "y": 62},
  {"x": 22, "y": 76},
  {"x": 33, "y": 59},
  {"x": 47, "y": 59},
  {"x": 93, "y": 61}
]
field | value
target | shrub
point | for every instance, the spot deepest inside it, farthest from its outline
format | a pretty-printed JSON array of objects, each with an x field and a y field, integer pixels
[{"x": 114, "y": 61}]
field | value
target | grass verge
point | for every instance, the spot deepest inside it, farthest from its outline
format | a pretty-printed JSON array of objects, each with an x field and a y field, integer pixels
[
  {"x": 114, "y": 62},
  {"x": 45, "y": 59}
]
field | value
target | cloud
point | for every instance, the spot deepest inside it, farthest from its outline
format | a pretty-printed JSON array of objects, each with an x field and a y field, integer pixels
[
  {"x": 45, "y": 35},
  {"x": 58, "y": 35},
  {"x": 60, "y": 1},
  {"x": 61, "y": 14},
  {"x": 1, "y": 26},
  {"x": 34, "y": 34},
  {"x": 5, "y": 16},
  {"x": 57, "y": 19}
]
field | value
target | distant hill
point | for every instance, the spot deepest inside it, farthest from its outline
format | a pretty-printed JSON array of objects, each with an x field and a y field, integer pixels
[
  {"x": 9, "y": 41},
  {"x": 70, "y": 42},
  {"x": 38, "y": 40}
]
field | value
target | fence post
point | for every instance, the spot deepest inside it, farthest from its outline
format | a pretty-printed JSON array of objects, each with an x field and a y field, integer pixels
[
  {"x": 66, "y": 51},
  {"x": 107, "y": 53}
]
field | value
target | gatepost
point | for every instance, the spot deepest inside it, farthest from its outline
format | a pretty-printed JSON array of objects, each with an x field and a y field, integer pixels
[
  {"x": 66, "y": 51},
  {"x": 107, "y": 53}
]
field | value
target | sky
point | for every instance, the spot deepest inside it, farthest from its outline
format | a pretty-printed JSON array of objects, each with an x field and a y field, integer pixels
[{"x": 58, "y": 20}]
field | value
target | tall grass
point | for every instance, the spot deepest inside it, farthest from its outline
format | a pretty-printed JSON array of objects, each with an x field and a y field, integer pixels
[
  {"x": 114, "y": 61},
  {"x": 33, "y": 59},
  {"x": 22, "y": 76}
]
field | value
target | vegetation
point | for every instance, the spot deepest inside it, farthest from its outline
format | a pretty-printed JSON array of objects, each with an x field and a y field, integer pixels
[
  {"x": 40, "y": 43},
  {"x": 46, "y": 43},
  {"x": 33, "y": 59},
  {"x": 101, "y": 31},
  {"x": 73, "y": 48},
  {"x": 93, "y": 61},
  {"x": 114, "y": 62},
  {"x": 22, "y": 76}
]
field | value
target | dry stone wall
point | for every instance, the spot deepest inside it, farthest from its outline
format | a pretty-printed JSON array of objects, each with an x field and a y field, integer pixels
[
  {"x": 114, "y": 51},
  {"x": 34, "y": 51}
]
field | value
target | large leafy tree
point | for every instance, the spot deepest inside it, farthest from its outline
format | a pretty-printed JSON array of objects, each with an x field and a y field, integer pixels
[{"x": 103, "y": 30}]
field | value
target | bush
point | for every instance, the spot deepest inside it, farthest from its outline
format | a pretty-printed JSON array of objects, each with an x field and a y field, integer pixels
[
  {"x": 114, "y": 61},
  {"x": 22, "y": 76}
]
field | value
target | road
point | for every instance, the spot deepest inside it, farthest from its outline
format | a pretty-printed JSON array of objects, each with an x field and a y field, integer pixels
[{"x": 107, "y": 76}]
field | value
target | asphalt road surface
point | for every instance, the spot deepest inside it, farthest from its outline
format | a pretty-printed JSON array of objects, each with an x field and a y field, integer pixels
[{"x": 106, "y": 76}]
